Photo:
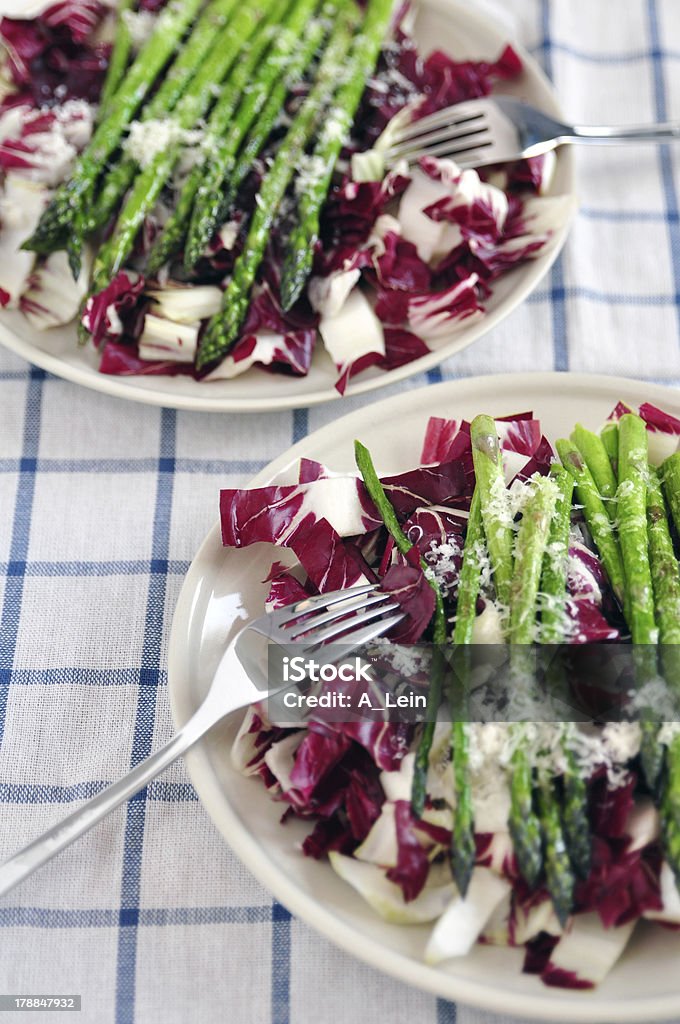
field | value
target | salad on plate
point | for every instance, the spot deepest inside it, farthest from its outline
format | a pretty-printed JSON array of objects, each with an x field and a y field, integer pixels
[
  {"x": 556, "y": 833},
  {"x": 200, "y": 186}
]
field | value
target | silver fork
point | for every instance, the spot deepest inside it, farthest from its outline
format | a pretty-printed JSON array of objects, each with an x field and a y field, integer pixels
[
  {"x": 353, "y": 617},
  {"x": 500, "y": 129}
]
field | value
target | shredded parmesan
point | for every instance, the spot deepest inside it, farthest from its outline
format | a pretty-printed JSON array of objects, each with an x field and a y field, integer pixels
[{"x": 147, "y": 139}]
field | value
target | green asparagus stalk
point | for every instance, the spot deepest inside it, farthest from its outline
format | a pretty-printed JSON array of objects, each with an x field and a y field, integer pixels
[
  {"x": 555, "y": 562},
  {"x": 573, "y": 819},
  {"x": 463, "y": 850},
  {"x": 193, "y": 105},
  {"x": 288, "y": 63},
  {"x": 559, "y": 875},
  {"x": 609, "y": 436},
  {"x": 468, "y": 581},
  {"x": 596, "y": 516},
  {"x": 670, "y": 475},
  {"x": 171, "y": 25},
  {"x": 631, "y": 496},
  {"x": 120, "y": 55},
  {"x": 223, "y": 329},
  {"x": 597, "y": 460},
  {"x": 632, "y": 502},
  {"x": 231, "y": 117},
  {"x": 532, "y": 541},
  {"x": 486, "y": 454},
  {"x": 670, "y": 808},
  {"x": 190, "y": 57},
  {"x": 334, "y": 134},
  {"x": 663, "y": 563},
  {"x": 575, "y": 822},
  {"x": 523, "y": 822},
  {"x": 376, "y": 492},
  {"x": 666, "y": 583}
]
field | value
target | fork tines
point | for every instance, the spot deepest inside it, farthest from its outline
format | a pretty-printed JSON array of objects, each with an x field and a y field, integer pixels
[
  {"x": 456, "y": 129},
  {"x": 356, "y": 614}
]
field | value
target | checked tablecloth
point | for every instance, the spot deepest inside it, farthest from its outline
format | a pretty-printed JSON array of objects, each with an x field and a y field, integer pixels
[{"x": 103, "y": 505}]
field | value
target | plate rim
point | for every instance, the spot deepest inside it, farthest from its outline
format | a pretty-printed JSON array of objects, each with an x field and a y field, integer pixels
[
  {"x": 566, "y": 1008},
  {"x": 534, "y": 272}
]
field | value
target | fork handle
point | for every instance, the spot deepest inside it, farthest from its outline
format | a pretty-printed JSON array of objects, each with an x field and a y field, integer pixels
[
  {"x": 46, "y": 846},
  {"x": 601, "y": 135}
]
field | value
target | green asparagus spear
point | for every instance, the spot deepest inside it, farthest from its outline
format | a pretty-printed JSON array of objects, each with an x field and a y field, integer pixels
[
  {"x": 532, "y": 541},
  {"x": 573, "y": 819},
  {"x": 334, "y": 134},
  {"x": 670, "y": 808},
  {"x": 230, "y": 118},
  {"x": 523, "y": 822},
  {"x": 486, "y": 454},
  {"x": 223, "y": 329},
  {"x": 289, "y": 60},
  {"x": 193, "y": 105},
  {"x": 666, "y": 583},
  {"x": 463, "y": 849},
  {"x": 555, "y": 562},
  {"x": 597, "y": 460},
  {"x": 468, "y": 581},
  {"x": 670, "y": 476},
  {"x": 596, "y": 516},
  {"x": 664, "y": 565},
  {"x": 632, "y": 502},
  {"x": 120, "y": 55},
  {"x": 190, "y": 57},
  {"x": 170, "y": 27},
  {"x": 610, "y": 439},
  {"x": 560, "y": 879},
  {"x": 376, "y": 492},
  {"x": 575, "y": 822},
  {"x": 631, "y": 496}
]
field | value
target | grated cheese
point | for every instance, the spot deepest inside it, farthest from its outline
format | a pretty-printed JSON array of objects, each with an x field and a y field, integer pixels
[
  {"x": 147, "y": 139},
  {"x": 140, "y": 25}
]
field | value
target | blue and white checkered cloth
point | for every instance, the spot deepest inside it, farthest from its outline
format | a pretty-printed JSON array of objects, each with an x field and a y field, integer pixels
[{"x": 103, "y": 505}]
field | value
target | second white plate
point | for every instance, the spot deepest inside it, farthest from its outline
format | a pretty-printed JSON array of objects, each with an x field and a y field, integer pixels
[{"x": 223, "y": 589}]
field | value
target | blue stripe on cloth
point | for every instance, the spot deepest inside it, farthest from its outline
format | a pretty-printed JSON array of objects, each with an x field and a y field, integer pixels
[
  {"x": 75, "y": 675},
  {"x": 15, "y": 374},
  {"x": 665, "y": 158},
  {"x": 144, "y": 725},
  {"x": 630, "y": 57},
  {"x": 63, "y": 570},
  {"x": 21, "y": 529},
  {"x": 608, "y": 298},
  {"x": 29, "y": 793},
  {"x": 280, "y": 995},
  {"x": 146, "y": 917},
  {"x": 557, "y": 286},
  {"x": 624, "y": 216},
  {"x": 213, "y": 467},
  {"x": 434, "y": 376},
  {"x": 300, "y": 424},
  {"x": 447, "y": 1013}
]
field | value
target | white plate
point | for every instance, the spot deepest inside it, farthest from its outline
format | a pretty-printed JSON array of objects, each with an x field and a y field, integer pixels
[
  {"x": 223, "y": 588},
  {"x": 447, "y": 24}
]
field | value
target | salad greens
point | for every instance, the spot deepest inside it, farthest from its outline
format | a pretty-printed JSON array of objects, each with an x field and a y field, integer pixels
[{"x": 546, "y": 834}]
